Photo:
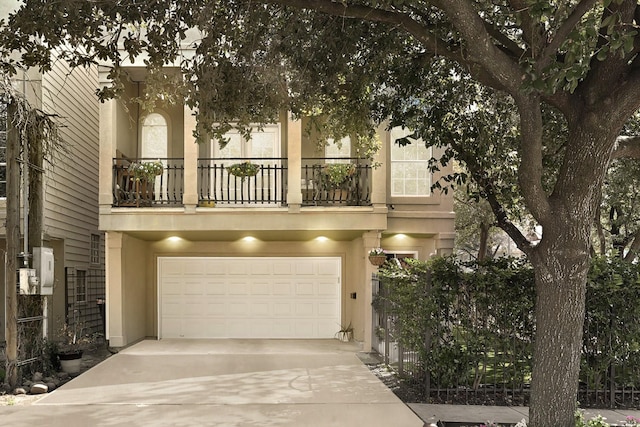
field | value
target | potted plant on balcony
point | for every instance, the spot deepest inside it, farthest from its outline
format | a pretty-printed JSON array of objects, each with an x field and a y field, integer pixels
[
  {"x": 144, "y": 174},
  {"x": 146, "y": 171},
  {"x": 335, "y": 180},
  {"x": 244, "y": 169},
  {"x": 377, "y": 256}
]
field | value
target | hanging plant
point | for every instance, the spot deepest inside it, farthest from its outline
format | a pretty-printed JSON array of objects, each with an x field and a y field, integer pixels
[
  {"x": 244, "y": 169},
  {"x": 377, "y": 256}
]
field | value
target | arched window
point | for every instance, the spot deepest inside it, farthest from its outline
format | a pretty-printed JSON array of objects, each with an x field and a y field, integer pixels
[{"x": 155, "y": 135}]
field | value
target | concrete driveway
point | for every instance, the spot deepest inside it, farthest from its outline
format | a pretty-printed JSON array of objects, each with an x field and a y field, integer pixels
[{"x": 222, "y": 383}]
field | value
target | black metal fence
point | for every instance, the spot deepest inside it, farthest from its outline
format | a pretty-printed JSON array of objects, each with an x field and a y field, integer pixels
[{"x": 489, "y": 352}]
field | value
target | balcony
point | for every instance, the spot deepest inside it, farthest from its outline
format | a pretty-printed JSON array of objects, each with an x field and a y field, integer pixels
[
  {"x": 218, "y": 186},
  {"x": 164, "y": 189},
  {"x": 319, "y": 190}
]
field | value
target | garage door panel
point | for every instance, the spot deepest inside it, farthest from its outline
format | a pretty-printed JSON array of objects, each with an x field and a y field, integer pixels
[
  {"x": 305, "y": 268},
  {"x": 215, "y": 288},
  {"x": 327, "y": 268},
  {"x": 261, "y": 309},
  {"x": 217, "y": 308},
  {"x": 194, "y": 268},
  {"x": 282, "y": 309},
  {"x": 283, "y": 268},
  {"x": 282, "y": 289},
  {"x": 172, "y": 327},
  {"x": 328, "y": 310},
  {"x": 260, "y": 289},
  {"x": 172, "y": 268},
  {"x": 172, "y": 308},
  {"x": 249, "y": 297},
  {"x": 172, "y": 287},
  {"x": 305, "y": 309},
  {"x": 214, "y": 266},
  {"x": 238, "y": 268},
  {"x": 305, "y": 328},
  {"x": 305, "y": 289},
  {"x": 194, "y": 286},
  {"x": 329, "y": 290}
]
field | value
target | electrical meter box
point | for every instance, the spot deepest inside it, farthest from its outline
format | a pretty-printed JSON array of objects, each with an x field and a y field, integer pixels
[
  {"x": 28, "y": 281},
  {"x": 43, "y": 264}
]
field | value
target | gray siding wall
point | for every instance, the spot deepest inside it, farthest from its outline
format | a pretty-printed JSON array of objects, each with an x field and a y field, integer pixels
[{"x": 71, "y": 182}]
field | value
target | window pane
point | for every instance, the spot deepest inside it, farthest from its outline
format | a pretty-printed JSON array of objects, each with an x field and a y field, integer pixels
[
  {"x": 81, "y": 286},
  {"x": 154, "y": 136},
  {"x": 410, "y": 175},
  {"x": 339, "y": 149}
]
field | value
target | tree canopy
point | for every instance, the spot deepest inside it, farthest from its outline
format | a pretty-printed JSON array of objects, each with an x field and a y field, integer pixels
[{"x": 531, "y": 95}]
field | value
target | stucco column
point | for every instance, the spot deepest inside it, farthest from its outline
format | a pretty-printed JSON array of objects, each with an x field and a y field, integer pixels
[
  {"x": 114, "y": 293},
  {"x": 370, "y": 240},
  {"x": 379, "y": 174},
  {"x": 107, "y": 150},
  {"x": 444, "y": 243},
  {"x": 294, "y": 163},
  {"x": 190, "y": 195}
]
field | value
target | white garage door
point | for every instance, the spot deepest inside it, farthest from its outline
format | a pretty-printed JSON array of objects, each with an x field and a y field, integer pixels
[{"x": 248, "y": 297}]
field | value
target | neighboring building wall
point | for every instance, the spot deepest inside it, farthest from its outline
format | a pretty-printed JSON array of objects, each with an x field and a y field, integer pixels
[{"x": 71, "y": 193}]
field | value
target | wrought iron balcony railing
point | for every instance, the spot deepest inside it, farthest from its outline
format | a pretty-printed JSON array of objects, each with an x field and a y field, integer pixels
[
  {"x": 333, "y": 181},
  {"x": 242, "y": 181},
  {"x": 138, "y": 182}
]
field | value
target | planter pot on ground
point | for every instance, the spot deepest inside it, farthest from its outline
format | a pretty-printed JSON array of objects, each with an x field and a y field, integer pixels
[
  {"x": 345, "y": 336},
  {"x": 70, "y": 362}
]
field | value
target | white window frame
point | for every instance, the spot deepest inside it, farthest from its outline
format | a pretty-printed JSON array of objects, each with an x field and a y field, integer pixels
[
  {"x": 335, "y": 151},
  {"x": 396, "y": 133},
  {"x": 80, "y": 285},
  {"x": 94, "y": 252},
  {"x": 246, "y": 151}
]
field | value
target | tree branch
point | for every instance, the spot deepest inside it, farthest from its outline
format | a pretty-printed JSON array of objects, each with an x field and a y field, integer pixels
[
  {"x": 531, "y": 29},
  {"x": 502, "y": 218},
  {"x": 466, "y": 20},
  {"x": 530, "y": 170},
  {"x": 634, "y": 249},
  {"x": 563, "y": 32},
  {"x": 462, "y": 16},
  {"x": 626, "y": 147}
]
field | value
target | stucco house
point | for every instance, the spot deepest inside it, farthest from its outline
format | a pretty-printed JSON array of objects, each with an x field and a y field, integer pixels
[{"x": 194, "y": 251}]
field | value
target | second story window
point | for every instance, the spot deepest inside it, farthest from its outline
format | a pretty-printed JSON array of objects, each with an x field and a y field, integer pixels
[
  {"x": 410, "y": 175},
  {"x": 154, "y": 136},
  {"x": 335, "y": 151}
]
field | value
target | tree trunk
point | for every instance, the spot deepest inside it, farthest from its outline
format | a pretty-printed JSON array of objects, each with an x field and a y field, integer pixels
[
  {"x": 560, "y": 300},
  {"x": 13, "y": 243},
  {"x": 36, "y": 209},
  {"x": 561, "y": 263},
  {"x": 484, "y": 239}
]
